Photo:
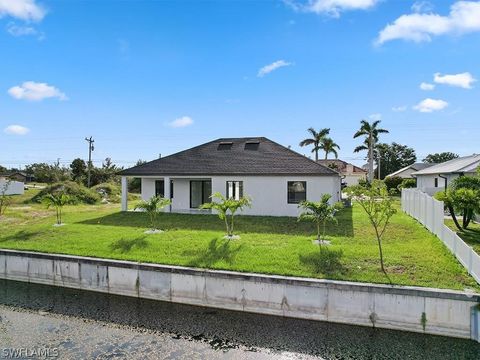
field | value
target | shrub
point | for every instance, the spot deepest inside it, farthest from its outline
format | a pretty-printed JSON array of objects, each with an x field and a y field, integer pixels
[
  {"x": 392, "y": 183},
  {"x": 77, "y": 193},
  {"x": 407, "y": 184}
]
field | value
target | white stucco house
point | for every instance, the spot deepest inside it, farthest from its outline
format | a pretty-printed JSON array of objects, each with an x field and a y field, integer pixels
[
  {"x": 351, "y": 174},
  {"x": 276, "y": 178},
  {"x": 437, "y": 177},
  {"x": 407, "y": 171}
]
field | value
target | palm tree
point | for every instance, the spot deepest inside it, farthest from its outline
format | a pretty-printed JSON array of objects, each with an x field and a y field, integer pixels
[
  {"x": 152, "y": 207},
  {"x": 315, "y": 140},
  {"x": 330, "y": 147},
  {"x": 370, "y": 131},
  {"x": 58, "y": 201}
]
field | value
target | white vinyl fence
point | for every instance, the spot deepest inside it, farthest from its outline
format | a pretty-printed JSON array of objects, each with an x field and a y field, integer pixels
[
  {"x": 429, "y": 212},
  {"x": 12, "y": 187}
]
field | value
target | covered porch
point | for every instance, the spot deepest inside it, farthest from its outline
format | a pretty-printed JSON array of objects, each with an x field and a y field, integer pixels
[{"x": 186, "y": 193}]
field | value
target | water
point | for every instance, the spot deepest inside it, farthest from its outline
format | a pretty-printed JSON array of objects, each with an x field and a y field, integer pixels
[{"x": 82, "y": 325}]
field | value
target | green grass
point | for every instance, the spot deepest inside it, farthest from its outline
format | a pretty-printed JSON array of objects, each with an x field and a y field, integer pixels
[
  {"x": 471, "y": 235},
  {"x": 271, "y": 245}
]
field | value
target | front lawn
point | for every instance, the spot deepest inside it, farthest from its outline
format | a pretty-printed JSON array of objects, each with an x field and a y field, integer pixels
[{"x": 270, "y": 245}]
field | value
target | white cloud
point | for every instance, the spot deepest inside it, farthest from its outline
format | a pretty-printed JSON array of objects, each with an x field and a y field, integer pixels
[
  {"x": 463, "y": 80},
  {"x": 422, "y": 6},
  {"x": 184, "y": 121},
  {"x": 426, "y": 86},
  {"x": 331, "y": 7},
  {"x": 34, "y": 91},
  {"x": 20, "y": 30},
  {"x": 399, "y": 108},
  {"x": 267, "y": 69},
  {"x": 16, "y": 130},
  {"x": 464, "y": 17},
  {"x": 430, "y": 105},
  {"x": 27, "y": 10}
]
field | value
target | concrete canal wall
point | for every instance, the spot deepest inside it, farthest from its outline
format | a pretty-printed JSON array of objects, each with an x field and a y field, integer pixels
[{"x": 433, "y": 311}]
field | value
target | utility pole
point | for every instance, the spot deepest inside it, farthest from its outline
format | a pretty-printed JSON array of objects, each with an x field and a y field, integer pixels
[{"x": 90, "y": 149}]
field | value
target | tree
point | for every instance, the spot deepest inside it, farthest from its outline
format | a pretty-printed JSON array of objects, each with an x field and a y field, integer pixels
[
  {"x": 5, "y": 200},
  {"x": 438, "y": 158},
  {"x": 135, "y": 184},
  {"x": 226, "y": 209},
  {"x": 462, "y": 196},
  {"x": 370, "y": 131},
  {"x": 329, "y": 146},
  {"x": 58, "y": 201},
  {"x": 393, "y": 157},
  {"x": 320, "y": 212},
  {"x": 152, "y": 207},
  {"x": 378, "y": 206},
  {"x": 3, "y": 169},
  {"x": 315, "y": 140},
  {"x": 45, "y": 173},
  {"x": 106, "y": 173},
  {"x": 78, "y": 169}
]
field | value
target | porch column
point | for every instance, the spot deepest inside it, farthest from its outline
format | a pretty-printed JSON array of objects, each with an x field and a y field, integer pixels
[
  {"x": 167, "y": 190},
  {"x": 124, "y": 193}
]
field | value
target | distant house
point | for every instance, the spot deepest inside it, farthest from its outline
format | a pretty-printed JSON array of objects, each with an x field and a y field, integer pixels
[
  {"x": 15, "y": 176},
  {"x": 407, "y": 171},
  {"x": 276, "y": 178},
  {"x": 351, "y": 174},
  {"x": 437, "y": 177}
]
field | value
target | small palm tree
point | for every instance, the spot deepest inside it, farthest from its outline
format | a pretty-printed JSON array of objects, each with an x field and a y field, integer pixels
[
  {"x": 226, "y": 209},
  {"x": 330, "y": 147},
  {"x": 370, "y": 131},
  {"x": 152, "y": 207},
  {"x": 58, "y": 201},
  {"x": 315, "y": 140},
  {"x": 320, "y": 212}
]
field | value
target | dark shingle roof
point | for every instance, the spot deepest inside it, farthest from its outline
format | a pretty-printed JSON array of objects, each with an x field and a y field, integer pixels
[
  {"x": 269, "y": 158},
  {"x": 340, "y": 165}
]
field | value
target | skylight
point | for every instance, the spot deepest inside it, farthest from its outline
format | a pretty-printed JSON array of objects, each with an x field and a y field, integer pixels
[
  {"x": 252, "y": 145},
  {"x": 225, "y": 145}
]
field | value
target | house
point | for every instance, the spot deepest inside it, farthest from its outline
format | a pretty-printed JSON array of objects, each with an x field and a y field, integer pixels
[
  {"x": 15, "y": 176},
  {"x": 351, "y": 174},
  {"x": 406, "y": 172},
  {"x": 276, "y": 178},
  {"x": 437, "y": 177}
]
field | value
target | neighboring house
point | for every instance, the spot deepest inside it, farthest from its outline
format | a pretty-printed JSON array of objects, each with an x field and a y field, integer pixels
[
  {"x": 407, "y": 171},
  {"x": 351, "y": 174},
  {"x": 15, "y": 176},
  {"x": 437, "y": 177},
  {"x": 276, "y": 178},
  {"x": 11, "y": 187}
]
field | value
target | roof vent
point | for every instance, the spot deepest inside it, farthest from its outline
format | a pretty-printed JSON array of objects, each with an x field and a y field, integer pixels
[
  {"x": 225, "y": 145},
  {"x": 252, "y": 145}
]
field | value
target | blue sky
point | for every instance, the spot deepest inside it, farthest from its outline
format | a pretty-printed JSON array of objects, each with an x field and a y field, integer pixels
[{"x": 150, "y": 77}]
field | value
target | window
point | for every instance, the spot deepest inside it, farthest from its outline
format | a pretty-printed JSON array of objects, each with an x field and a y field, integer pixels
[
  {"x": 225, "y": 146},
  {"x": 200, "y": 192},
  {"x": 159, "y": 188},
  {"x": 252, "y": 145},
  {"x": 297, "y": 191},
  {"x": 234, "y": 190},
  {"x": 436, "y": 182}
]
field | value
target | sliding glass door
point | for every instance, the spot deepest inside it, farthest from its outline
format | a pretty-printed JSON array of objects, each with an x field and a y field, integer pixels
[{"x": 200, "y": 192}]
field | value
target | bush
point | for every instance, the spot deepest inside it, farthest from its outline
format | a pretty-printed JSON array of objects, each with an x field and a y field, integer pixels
[
  {"x": 407, "y": 184},
  {"x": 78, "y": 194},
  {"x": 109, "y": 191},
  {"x": 392, "y": 184}
]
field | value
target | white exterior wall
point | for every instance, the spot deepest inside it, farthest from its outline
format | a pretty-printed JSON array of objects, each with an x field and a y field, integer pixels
[
  {"x": 14, "y": 187},
  {"x": 426, "y": 183},
  {"x": 406, "y": 174},
  {"x": 353, "y": 179},
  {"x": 268, "y": 193}
]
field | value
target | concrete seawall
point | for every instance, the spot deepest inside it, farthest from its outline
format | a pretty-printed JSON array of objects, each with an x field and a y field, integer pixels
[{"x": 433, "y": 311}]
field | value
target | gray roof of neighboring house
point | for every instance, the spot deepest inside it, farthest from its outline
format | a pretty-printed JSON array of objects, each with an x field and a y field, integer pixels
[
  {"x": 459, "y": 165},
  {"x": 340, "y": 165},
  {"x": 415, "y": 166},
  {"x": 233, "y": 156}
]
